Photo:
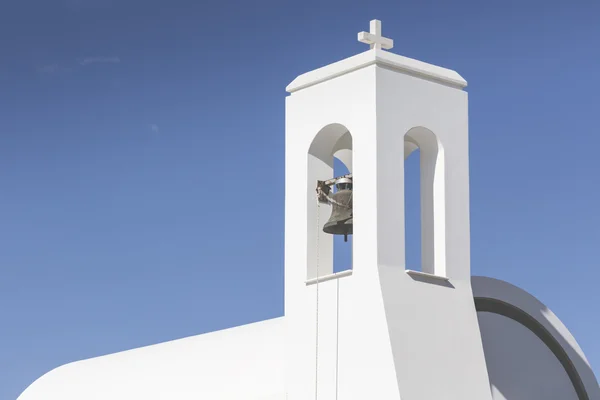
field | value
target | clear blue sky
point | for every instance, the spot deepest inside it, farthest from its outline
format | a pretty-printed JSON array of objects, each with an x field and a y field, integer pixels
[{"x": 142, "y": 155}]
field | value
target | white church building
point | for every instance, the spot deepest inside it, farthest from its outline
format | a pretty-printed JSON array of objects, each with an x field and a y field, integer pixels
[{"x": 377, "y": 331}]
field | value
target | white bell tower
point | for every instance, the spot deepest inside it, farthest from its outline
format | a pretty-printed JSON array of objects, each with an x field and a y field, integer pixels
[{"x": 380, "y": 331}]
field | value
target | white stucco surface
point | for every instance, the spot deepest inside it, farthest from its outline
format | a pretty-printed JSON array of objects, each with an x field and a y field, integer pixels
[{"x": 245, "y": 362}]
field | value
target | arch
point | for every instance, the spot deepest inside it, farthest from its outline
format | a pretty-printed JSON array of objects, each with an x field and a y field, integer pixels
[
  {"x": 329, "y": 140},
  {"x": 433, "y": 201},
  {"x": 495, "y": 306},
  {"x": 496, "y": 296},
  {"x": 332, "y": 141}
]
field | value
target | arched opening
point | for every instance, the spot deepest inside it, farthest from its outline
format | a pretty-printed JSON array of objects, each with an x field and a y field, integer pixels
[
  {"x": 342, "y": 246},
  {"x": 412, "y": 208},
  {"x": 329, "y": 231},
  {"x": 424, "y": 193}
]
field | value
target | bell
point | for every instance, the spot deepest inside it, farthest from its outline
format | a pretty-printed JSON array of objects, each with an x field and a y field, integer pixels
[{"x": 340, "y": 221}]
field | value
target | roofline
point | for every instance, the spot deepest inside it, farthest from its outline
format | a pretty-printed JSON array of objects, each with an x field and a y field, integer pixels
[{"x": 383, "y": 58}]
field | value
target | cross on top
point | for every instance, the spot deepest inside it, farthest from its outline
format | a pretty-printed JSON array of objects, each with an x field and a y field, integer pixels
[{"x": 374, "y": 38}]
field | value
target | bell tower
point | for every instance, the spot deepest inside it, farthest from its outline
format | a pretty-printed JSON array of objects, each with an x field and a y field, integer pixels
[{"x": 379, "y": 331}]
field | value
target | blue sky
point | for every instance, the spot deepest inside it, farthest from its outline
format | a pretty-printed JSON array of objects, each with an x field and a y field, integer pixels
[{"x": 141, "y": 159}]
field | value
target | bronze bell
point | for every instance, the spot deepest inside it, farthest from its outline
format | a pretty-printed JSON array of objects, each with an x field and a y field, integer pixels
[{"x": 340, "y": 222}]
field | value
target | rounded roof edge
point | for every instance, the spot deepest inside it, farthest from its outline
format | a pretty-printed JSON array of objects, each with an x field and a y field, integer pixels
[
  {"x": 58, "y": 383},
  {"x": 492, "y": 289},
  {"x": 51, "y": 375}
]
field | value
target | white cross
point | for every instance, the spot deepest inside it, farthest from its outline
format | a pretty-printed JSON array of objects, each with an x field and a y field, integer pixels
[{"x": 374, "y": 38}]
